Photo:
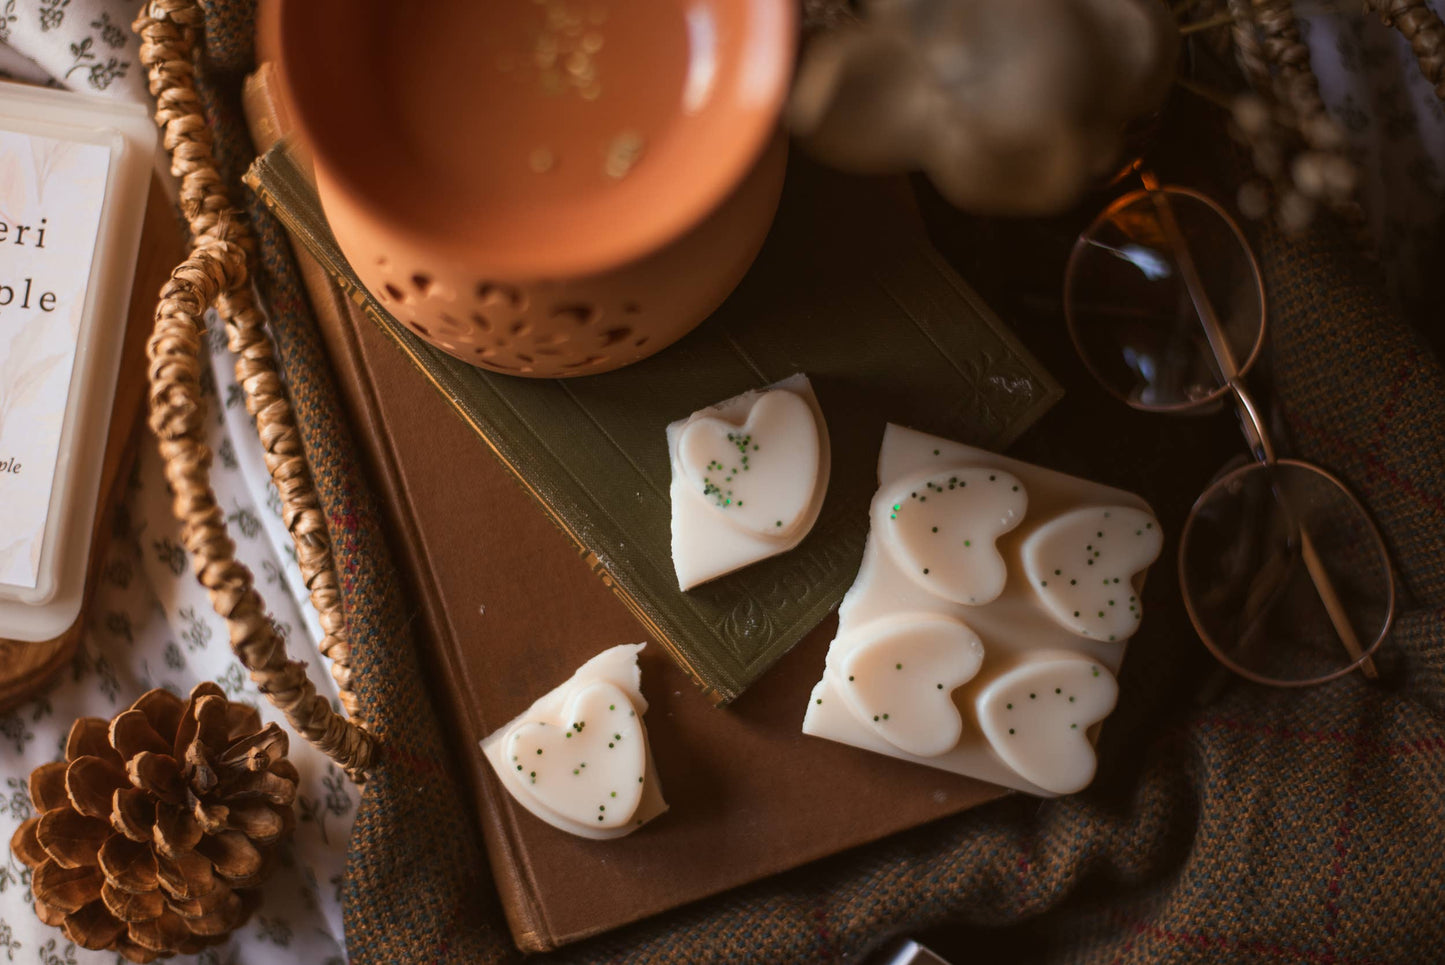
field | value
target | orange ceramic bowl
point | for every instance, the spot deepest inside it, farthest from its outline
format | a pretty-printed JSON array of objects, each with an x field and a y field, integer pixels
[{"x": 471, "y": 155}]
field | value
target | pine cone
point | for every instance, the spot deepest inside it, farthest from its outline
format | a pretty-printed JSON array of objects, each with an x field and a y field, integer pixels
[{"x": 154, "y": 835}]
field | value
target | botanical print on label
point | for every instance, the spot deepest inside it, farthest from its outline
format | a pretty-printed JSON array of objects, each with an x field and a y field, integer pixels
[{"x": 51, "y": 195}]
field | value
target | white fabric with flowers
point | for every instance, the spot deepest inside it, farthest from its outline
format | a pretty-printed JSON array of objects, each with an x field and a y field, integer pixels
[{"x": 152, "y": 625}]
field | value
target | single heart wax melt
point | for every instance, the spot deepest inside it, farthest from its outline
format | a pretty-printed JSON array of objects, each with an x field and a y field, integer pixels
[
  {"x": 988, "y": 620},
  {"x": 748, "y": 479},
  {"x": 942, "y": 526},
  {"x": 899, "y": 676},
  {"x": 575, "y": 772},
  {"x": 1037, "y": 718},
  {"x": 578, "y": 758},
  {"x": 1081, "y": 566},
  {"x": 764, "y": 493}
]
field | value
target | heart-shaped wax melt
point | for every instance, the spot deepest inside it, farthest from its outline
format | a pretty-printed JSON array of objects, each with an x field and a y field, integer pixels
[
  {"x": 1082, "y": 566},
  {"x": 1037, "y": 716},
  {"x": 588, "y": 767},
  {"x": 941, "y": 527},
  {"x": 899, "y": 674},
  {"x": 759, "y": 476}
]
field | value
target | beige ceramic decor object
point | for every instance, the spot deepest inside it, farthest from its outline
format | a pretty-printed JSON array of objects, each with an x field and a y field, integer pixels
[
  {"x": 1010, "y": 107},
  {"x": 544, "y": 187}
]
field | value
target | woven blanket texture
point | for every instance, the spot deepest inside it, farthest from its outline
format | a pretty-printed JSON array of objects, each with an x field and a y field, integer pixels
[{"x": 1264, "y": 826}]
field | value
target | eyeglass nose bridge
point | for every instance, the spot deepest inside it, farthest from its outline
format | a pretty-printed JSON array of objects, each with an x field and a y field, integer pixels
[{"x": 1252, "y": 424}]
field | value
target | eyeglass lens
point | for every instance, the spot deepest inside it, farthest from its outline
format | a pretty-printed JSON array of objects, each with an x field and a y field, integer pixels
[
  {"x": 1131, "y": 315},
  {"x": 1284, "y": 573}
]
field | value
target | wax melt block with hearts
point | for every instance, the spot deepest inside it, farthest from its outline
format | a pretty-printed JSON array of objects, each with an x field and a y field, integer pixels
[
  {"x": 748, "y": 479},
  {"x": 989, "y": 617},
  {"x": 578, "y": 757}
]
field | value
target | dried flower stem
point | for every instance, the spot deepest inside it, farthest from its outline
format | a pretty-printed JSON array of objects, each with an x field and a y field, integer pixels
[
  {"x": 1295, "y": 143},
  {"x": 1194, "y": 26}
]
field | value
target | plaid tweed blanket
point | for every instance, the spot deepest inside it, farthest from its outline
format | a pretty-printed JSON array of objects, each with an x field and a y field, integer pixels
[{"x": 1264, "y": 826}]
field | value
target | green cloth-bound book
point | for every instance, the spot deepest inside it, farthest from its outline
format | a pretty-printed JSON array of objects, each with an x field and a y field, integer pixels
[{"x": 846, "y": 290}]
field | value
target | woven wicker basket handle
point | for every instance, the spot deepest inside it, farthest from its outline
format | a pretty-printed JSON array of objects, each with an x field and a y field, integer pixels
[
  {"x": 1425, "y": 31},
  {"x": 214, "y": 275}
]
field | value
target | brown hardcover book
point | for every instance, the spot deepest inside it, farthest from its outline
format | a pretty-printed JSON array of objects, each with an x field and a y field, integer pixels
[{"x": 508, "y": 607}]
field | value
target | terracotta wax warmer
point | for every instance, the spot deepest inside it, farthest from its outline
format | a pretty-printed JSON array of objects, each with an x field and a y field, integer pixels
[{"x": 544, "y": 187}]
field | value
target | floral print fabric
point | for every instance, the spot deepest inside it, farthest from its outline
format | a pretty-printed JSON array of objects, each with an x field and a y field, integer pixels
[
  {"x": 151, "y": 624},
  {"x": 85, "y": 45}
]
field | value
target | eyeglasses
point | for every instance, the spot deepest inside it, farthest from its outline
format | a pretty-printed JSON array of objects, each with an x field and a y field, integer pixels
[{"x": 1284, "y": 575}]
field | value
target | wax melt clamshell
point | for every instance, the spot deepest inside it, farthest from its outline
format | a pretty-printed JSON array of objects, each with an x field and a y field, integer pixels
[
  {"x": 989, "y": 617},
  {"x": 77, "y": 168},
  {"x": 578, "y": 758},
  {"x": 749, "y": 476}
]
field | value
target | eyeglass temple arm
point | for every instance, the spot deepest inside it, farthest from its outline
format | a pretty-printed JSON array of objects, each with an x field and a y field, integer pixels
[{"x": 1250, "y": 419}]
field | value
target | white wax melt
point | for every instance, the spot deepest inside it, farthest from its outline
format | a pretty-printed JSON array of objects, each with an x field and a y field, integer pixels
[
  {"x": 899, "y": 673},
  {"x": 748, "y": 479},
  {"x": 941, "y": 529},
  {"x": 1080, "y": 564},
  {"x": 1037, "y": 718},
  {"x": 988, "y": 619},
  {"x": 578, "y": 757}
]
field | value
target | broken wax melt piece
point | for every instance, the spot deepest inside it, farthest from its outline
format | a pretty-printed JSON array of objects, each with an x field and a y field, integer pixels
[
  {"x": 578, "y": 758},
  {"x": 748, "y": 479},
  {"x": 974, "y": 577}
]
